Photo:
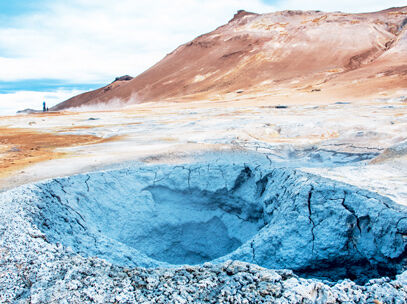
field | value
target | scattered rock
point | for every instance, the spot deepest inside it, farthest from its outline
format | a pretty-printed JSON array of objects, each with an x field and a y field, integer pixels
[
  {"x": 240, "y": 14},
  {"x": 398, "y": 150}
]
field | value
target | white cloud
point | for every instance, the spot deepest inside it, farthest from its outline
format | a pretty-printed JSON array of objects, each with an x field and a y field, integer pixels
[
  {"x": 350, "y": 6},
  {"x": 92, "y": 41},
  {"x": 85, "y": 41},
  {"x": 95, "y": 40}
]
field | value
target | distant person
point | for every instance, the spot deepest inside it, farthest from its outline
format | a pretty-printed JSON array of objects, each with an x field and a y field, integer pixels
[
  {"x": 47, "y": 109},
  {"x": 44, "y": 106}
]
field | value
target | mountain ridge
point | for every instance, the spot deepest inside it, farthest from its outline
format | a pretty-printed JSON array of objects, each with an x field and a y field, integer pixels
[{"x": 296, "y": 53}]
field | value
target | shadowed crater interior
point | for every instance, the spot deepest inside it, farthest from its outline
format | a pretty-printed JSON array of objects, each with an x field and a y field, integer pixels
[{"x": 276, "y": 218}]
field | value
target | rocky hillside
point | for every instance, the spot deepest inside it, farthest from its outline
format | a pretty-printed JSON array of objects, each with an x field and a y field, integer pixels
[{"x": 307, "y": 53}]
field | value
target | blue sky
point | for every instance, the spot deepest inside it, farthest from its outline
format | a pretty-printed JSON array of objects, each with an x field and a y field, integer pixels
[
  {"x": 17, "y": 7},
  {"x": 59, "y": 48}
]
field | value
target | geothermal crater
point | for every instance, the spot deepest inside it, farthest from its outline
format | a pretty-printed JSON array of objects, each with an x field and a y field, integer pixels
[{"x": 277, "y": 218}]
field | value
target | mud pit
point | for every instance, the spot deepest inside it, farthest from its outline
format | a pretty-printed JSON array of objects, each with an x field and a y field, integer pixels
[{"x": 276, "y": 218}]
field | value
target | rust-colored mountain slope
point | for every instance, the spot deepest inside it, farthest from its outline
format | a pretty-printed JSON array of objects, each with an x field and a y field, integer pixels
[{"x": 301, "y": 52}]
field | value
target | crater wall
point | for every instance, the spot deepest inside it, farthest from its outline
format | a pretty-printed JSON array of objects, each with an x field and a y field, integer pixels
[{"x": 279, "y": 218}]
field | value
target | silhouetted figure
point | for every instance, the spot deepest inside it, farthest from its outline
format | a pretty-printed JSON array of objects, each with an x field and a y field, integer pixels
[
  {"x": 44, "y": 106},
  {"x": 47, "y": 109}
]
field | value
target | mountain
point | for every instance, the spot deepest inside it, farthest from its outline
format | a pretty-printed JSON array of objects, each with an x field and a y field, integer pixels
[{"x": 300, "y": 54}]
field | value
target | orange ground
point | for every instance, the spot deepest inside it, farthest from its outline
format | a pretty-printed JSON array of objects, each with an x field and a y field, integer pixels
[{"x": 20, "y": 148}]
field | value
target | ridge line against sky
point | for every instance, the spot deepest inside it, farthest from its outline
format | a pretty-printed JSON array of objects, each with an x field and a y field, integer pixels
[{"x": 52, "y": 46}]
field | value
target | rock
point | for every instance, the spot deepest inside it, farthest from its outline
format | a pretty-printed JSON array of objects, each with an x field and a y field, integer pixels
[
  {"x": 123, "y": 78},
  {"x": 28, "y": 111},
  {"x": 14, "y": 149}
]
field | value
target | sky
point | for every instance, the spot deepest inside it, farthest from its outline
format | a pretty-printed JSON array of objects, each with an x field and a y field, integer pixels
[{"x": 54, "y": 49}]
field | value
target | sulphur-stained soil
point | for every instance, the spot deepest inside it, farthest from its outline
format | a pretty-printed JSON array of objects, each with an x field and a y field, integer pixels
[
  {"x": 23, "y": 147},
  {"x": 361, "y": 141}
]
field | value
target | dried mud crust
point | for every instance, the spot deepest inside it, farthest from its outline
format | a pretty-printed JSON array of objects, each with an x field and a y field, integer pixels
[{"x": 320, "y": 229}]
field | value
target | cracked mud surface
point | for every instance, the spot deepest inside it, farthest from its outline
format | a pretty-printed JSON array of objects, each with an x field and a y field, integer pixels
[
  {"x": 100, "y": 237},
  {"x": 71, "y": 239}
]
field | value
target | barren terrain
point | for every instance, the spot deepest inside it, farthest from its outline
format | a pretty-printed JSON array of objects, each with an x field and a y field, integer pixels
[
  {"x": 277, "y": 141},
  {"x": 350, "y": 140}
]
